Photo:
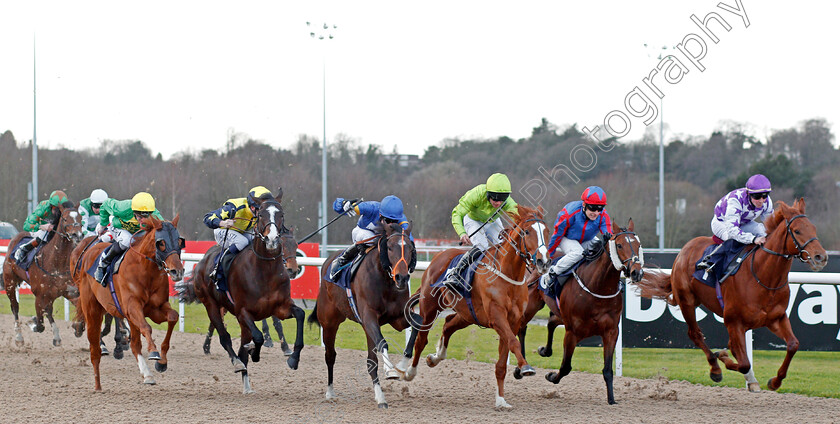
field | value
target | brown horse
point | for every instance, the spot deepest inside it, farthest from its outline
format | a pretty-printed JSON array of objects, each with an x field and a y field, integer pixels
[
  {"x": 590, "y": 302},
  {"x": 259, "y": 288},
  {"x": 536, "y": 304},
  {"x": 499, "y": 296},
  {"x": 755, "y": 296},
  {"x": 140, "y": 291},
  {"x": 290, "y": 247},
  {"x": 49, "y": 275},
  {"x": 379, "y": 295}
]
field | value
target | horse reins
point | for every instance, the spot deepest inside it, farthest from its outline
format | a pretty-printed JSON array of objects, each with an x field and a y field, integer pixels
[
  {"x": 529, "y": 259},
  {"x": 637, "y": 257},
  {"x": 799, "y": 247}
]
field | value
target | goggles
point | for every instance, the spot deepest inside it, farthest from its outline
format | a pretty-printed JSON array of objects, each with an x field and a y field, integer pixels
[
  {"x": 389, "y": 220},
  {"x": 757, "y": 196},
  {"x": 96, "y": 205},
  {"x": 595, "y": 208},
  {"x": 142, "y": 214},
  {"x": 498, "y": 197}
]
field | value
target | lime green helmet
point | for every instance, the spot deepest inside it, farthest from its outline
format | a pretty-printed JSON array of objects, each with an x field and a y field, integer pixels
[
  {"x": 57, "y": 197},
  {"x": 498, "y": 187}
]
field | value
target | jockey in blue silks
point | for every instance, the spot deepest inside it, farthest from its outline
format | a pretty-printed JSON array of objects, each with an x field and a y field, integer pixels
[
  {"x": 577, "y": 225},
  {"x": 736, "y": 214},
  {"x": 373, "y": 216}
]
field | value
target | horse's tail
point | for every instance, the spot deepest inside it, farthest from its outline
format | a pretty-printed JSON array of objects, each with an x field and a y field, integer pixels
[
  {"x": 186, "y": 291},
  {"x": 313, "y": 317},
  {"x": 656, "y": 284}
]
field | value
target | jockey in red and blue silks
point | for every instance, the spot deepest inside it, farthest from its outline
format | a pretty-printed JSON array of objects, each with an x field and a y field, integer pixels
[
  {"x": 736, "y": 214},
  {"x": 577, "y": 224},
  {"x": 372, "y": 217}
]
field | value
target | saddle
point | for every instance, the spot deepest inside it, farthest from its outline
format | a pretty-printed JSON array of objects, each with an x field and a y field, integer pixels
[
  {"x": 112, "y": 269},
  {"x": 725, "y": 261},
  {"x": 345, "y": 276},
  {"x": 466, "y": 276},
  {"x": 30, "y": 257}
]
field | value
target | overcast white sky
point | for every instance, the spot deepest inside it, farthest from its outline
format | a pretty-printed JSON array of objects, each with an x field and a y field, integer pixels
[{"x": 180, "y": 75}]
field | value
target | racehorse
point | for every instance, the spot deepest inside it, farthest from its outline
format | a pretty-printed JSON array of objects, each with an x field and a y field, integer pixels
[
  {"x": 755, "y": 296},
  {"x": 378, "y": 295},
  {"x": 140, "y": 290},
  {"x": 590, "y": 302},
  {"x": 259, "y": 288},
  {"x": 290, "y": 247},
  {"x": 498, "y": 294},
  {"x": 536, "y": 304},
  {"x": 49, "y": 276}
]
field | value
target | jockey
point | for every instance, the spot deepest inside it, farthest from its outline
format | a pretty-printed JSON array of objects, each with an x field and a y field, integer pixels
[
  {"x": 476, "y": 220},
  {"x": 577, "y": 225},
  {"x": 373, "y": 216},
  {"x": 237, "y": 215},
  {"x": 40, "y": 222},
  {"x": 735, "y": 214},
  {"x": 129, "y": 218},
  {"x": 89, "y": 209}
]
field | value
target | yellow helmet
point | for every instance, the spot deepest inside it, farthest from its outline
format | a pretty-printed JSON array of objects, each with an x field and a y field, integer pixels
[
  {"x": 143, "y": 202},
  {"x": 255, "y": 193}
]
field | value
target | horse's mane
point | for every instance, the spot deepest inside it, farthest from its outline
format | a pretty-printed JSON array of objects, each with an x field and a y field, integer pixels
[
  {"x": 68, "y": 205},
  {"x": 773, "y": 221},
  {"x": 523, "y": 211}
]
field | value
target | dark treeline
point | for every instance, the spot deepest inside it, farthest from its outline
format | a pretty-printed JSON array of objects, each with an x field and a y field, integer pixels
[{"x": 800, "y": 161}]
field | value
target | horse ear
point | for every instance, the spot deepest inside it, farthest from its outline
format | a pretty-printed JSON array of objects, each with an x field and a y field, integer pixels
[
  {"x": 615, "y": 228},
  {"x": 802, "y": 204},
  {"x": 279, "y": 197},
  {"x": 630, "y": 225},
  {"x": 175, "y": 220}
]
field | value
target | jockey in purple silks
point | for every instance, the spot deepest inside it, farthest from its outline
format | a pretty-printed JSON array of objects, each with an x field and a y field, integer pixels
[{"x": 736, "y": 214}]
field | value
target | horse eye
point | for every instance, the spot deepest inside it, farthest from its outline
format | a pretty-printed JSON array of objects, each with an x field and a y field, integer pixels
[
  {"x": 618, "y": 245},
  {"x": 796, "y": 231}
]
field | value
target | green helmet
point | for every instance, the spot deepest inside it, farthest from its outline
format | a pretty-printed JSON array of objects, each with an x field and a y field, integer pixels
[
  {"x": 498, "y": 183},
  {"x": 57, "y": 197}
]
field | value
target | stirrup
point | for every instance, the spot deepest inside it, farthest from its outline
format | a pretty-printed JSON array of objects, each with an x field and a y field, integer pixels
[{"x": 704, "y": 264}]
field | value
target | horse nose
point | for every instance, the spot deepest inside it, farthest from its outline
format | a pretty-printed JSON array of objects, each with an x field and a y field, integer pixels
[
  {"x": 402, "y": 280},
  {"x": 176, "y": 274},
  {"x": 293, "y": 272},
  {"x": 636, "y": 275}
]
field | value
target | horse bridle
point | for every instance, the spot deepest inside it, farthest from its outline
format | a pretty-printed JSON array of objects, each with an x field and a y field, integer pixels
[
  {"x": 637, "y": 258},
  {"x": 530, "y": 259},
  {"x": 799, "y": 247},
  {"x": 390, "y": 267},
  {"x": 161, "y": 263},
  {"x": 259, "y": 233}
]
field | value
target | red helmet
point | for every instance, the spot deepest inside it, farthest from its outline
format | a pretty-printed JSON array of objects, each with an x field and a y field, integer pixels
[{"x": 594, "y": 195}]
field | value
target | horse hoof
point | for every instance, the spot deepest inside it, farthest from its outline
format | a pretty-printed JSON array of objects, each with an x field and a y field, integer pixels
[
  {"x": 149, "y": 380},
  {"x": 383, "y": 406},
  {"x": 716, "y": 377},
  {"x": 118, "y": 354},
  {"x": 502, "y": 405},
  {"x": 160, "y": 367},
  {"x": 56, "y": 343},
  {"x": 250, "y": 346},
  {"x": 517, "y": 373},
  {"x": 544, "y": 351},
  {"x": 392, "y": 375},
  {"x": 19, "y": 343},
  {"x": 410, "y": 373},
  {"x": 293, "y": 362},
  {"x": 430, "y": 361},
  {"x": 528, "y": 371},
  {"x": 207, "y": 348},
  {"x": 552, "y": 377},
  {"x": 238, "y": 366},
  {"x": 268, "y": 342},
  {"x": 773, "y": 385},
  {"x": 154, "y": 356},
  {"x": 754, "y": 387},
  {"x": 285, "y": 348},
  {"x": 104, "y": 351}
]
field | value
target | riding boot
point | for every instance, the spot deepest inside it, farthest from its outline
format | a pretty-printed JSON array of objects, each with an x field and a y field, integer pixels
[
  {"x": 105, "y": 260},
  {"x": 226, "y": 256},
  {"x": 706, "y": 263},
  {"x": 24, "y": 249},
  {"x": 548, "y": 279},
  {"x": 345, "y": 258},
  {"x": 453, "y": 280}
]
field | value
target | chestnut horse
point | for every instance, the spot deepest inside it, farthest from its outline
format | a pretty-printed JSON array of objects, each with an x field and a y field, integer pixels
[
  {"x": 590, "y": 302},
  {"x": 379, "y": 293},
  {"x": 49, "y": 274},
  {"x": 140, "y": 290},
  {"x": 259, "y": 288},
  {"x": 290, "y": 247},
  {"x": 755, "y": 296},
  {"x": 499, "y": 296}
]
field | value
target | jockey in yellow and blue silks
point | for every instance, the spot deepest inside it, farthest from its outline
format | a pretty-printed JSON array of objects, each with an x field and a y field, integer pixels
[
  {"x": 577, "y": 225},
  {"x": 126, "y": 218},
  {"x": 372, "y": 217},
  {"x": 40, "y": 222},
  {"x": 232, "y": 223},
  {"x": 477, "y": 222}
]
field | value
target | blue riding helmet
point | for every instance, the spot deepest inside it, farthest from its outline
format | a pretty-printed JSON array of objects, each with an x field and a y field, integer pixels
[{"x": 391, "y": 207}]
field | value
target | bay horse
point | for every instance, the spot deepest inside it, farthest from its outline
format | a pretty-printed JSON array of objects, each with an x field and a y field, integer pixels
[
  {"x": 49, "y": 274},
  {"x": 140, "y": 291},
  {"x": 259, "y": 288},
  {"x": 380, "y": 292},
  {"x": 591, "y": 301},
  {"x": 290, "y": 247},
  {"x": 498, "y": 294},
  {"x": 755, "y": 296}
]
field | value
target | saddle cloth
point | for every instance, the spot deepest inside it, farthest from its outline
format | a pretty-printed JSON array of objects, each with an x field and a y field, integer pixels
[{"x": 726, "y": 261}]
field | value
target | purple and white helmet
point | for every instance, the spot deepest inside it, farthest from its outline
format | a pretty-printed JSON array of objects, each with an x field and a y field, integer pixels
[{"x": 758, "y": 184}]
